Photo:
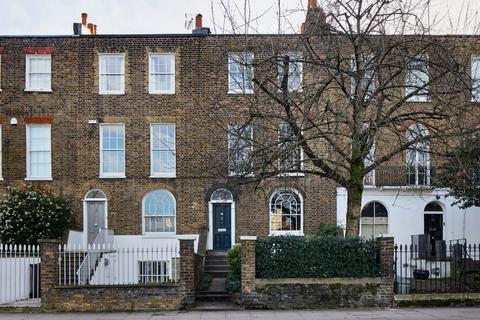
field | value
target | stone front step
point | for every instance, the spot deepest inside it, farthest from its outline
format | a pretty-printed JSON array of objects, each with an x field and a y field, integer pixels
[{"x": 216, "y": 264}]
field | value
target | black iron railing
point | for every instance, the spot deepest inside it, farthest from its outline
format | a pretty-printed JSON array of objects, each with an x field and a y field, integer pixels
[
  {"x": 401, "y": 176},
  {"x": 441, "y": 268}
]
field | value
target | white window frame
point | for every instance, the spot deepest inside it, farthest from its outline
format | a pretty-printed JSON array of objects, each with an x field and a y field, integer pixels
[
  {"x": 232, "y": 136},
  {"x": 423, "y": 95},
  {"x": 411, "y": 135},
  {"x": 290, "y": 174},
  {"x": 122, "y": 86},
  {"x": 1, "y": 154},
  {"x": 29, "y": 176},
  {"x": 369, "y": 75},
  {"x": 116, "y": 175},
  {"x": 243, "y": 88},
  {"x": 474, "y": 72},
  {"x": 163, "y": 174},
  {"x": 28, "y": 57},
  {"x": 374, "y": 221},
  {"x": 295, "y": 56},
  {"x": 157, "y": 233},
  {"x": 151, "y": 90},
  {"x": 302, "y": 215}
]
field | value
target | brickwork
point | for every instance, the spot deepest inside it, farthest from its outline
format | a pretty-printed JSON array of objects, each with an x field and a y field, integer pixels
[
  {"x": 187, "y": 272},
  {"x": 248, "y": 257},
  {"x": 49, "y": 268},
  {"x": 201, "y": 145}
]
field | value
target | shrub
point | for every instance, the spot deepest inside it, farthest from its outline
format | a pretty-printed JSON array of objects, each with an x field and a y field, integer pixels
[
  {"x": 316, "y": 257},
  {"x": 232, "y": 283},
  {"x": 204, "y": 282},
  {"x": 329, "y": 230},
  {"x": 30, "y": 214}
]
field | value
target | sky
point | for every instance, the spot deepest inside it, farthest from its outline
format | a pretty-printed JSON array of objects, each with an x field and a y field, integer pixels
[{"x": 55, "y": 17}]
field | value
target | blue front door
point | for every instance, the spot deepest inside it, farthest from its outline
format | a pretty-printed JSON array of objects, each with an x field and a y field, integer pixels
[{"x": 222, "y": 226}]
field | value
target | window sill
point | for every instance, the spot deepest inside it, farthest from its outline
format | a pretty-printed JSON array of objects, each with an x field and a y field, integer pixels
[
  {"x": 230, "y": 92},
  {"x": 38, "y": 90},
  {"x": 160, "y": 176},
  {"x": 158, "y": 93},
  {"x": 239, "y": 175},
  {"x": 112, "y": 177},
  {"x": 39, "y": 179},
  {"x": 154, "y": 235},
  {"x": 291, "y": 174},
  {"x": 418, "y": 101},
  {"x": 111, "y": 93},
  {"x": 286, "y": 233}
]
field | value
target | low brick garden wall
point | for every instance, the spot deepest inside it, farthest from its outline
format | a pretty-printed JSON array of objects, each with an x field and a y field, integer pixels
[
  {"x": 311, "y": 293},
  {"x": 93, "y": 298},
  {"x": 318, "y": 293},
  {"x": 114, "y": 298}
]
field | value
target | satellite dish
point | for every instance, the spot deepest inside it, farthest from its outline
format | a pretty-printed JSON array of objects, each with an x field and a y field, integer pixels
[{"x": 189, "y": 21}]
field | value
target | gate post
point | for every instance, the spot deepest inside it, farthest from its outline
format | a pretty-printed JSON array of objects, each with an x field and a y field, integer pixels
[
  {"x": 187, "y": 271},
  {"x": 248, "y": 244},
  {"x": 48, "y": 269}
]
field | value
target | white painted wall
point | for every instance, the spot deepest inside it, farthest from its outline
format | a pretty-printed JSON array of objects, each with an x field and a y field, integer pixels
[{"x": 406, "y": 209}]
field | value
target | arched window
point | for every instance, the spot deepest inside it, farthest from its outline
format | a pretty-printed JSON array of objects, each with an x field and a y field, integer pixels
[
  {"x": 95, "y": 194},
  {"x": 286, "y": 212},
  {"x": 159, "y": 210},
  {"x": 417, "y": 156},
  {"x": 374, "y": 220},
  {"x": 221, "y": 195}
]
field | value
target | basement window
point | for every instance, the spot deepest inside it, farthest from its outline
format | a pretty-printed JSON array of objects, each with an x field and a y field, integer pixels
[
  {"x": 150, "y": 272},
  {"x": 112, "y": 73},
  {"x": 38, "y": 72}
]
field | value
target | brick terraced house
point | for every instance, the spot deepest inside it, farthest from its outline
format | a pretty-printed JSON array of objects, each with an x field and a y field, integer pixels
[{"x": 121, "y": 126}]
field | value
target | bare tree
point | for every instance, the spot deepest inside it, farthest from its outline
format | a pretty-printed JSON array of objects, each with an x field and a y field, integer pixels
[{"x": 363, "y": 88}]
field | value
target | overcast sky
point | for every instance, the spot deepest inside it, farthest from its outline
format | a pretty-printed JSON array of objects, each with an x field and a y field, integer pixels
[{"x": 55, "y": 17}]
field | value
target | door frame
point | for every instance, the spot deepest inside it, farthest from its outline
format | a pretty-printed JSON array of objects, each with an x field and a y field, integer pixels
[
  {"x": 210, "y": 222},
  {"x": 85, "y": 215}
]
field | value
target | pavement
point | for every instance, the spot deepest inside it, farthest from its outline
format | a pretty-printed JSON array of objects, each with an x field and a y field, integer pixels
[{"x": 346, "y": 314}]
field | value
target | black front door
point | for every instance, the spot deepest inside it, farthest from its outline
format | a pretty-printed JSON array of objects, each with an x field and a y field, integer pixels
[
  {"x": 433, "y": 226},
  {"x": 222, "y": 226}
]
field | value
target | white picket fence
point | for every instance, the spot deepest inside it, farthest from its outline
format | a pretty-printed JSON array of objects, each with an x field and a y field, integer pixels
[
  {"x": 19, "y": 275},
  {"x": 110, "y": 265}
]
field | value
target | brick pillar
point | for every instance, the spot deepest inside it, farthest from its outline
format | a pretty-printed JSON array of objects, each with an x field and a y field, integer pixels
[
  {"x": 386, "y": 256},
  {"x": 248, "y": 244},
  {"x": 187, "y": 272},
  {"x": 48, "y": 268}
]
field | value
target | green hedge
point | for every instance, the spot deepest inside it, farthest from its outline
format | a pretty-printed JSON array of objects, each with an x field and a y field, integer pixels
[{"x": 316, "y": 257}]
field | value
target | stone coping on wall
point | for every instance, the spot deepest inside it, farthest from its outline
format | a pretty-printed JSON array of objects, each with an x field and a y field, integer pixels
[
  {"x": 436, "y": 299},
  {"x": 133, "y": 286},
  {"x": 261, "y": 282}
]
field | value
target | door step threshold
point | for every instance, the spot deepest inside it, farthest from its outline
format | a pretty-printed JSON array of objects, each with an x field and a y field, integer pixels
[{"x": 217, "y": 306}]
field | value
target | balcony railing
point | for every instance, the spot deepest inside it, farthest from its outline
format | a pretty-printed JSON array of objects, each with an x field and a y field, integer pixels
[{"x": 401, "y": 176}]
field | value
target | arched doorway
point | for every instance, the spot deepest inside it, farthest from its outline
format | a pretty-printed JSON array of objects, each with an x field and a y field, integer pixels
[
  {"x": 221, "y": 212},
  {"x": 94, "y": 214},
  {"x": 433, "y": 224}
]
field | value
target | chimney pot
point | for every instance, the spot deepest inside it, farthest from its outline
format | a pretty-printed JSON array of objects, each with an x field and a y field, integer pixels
[
  {"x": 312, "y": 4},
  {"x": 198, "y": 21},
  {"x": 90, "y": 27},
  {"x": 84, "y": 19},
  {"x": 94, "y": 29}
]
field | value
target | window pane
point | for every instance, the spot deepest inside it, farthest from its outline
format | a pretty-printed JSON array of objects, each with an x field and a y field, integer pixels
[
  {"x": 162, "y": 73},
  {"x": 113, "y": 149},
  {"x": 40, "y": 158},
  {"x": 159, "y": 212},
  {"x": 112, "y": 73},
  {"x": 163, "y": 148},
  {"x": 240, "y": 149},
  {"x": 285, "y": 212},
  {"x": 240, "y": 71}
]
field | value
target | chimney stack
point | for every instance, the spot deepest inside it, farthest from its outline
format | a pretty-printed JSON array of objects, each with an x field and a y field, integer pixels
[
  {"x": 312, "y": 4},
  {"x": 199, "y": 28},
  {"x": 198, "y": 21},
  {"x": 84, "y": 28},
  {"x": 84, "y": 19}
]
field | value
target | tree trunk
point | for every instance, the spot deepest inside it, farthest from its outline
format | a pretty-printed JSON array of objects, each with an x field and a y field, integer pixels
[{"x": 354, "y": 207}]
